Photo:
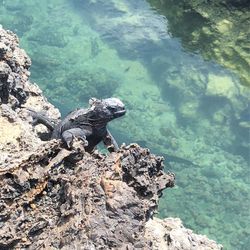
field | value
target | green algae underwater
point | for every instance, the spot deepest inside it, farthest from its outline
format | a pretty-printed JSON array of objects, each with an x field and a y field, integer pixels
[{"x": 183, "y": 79}]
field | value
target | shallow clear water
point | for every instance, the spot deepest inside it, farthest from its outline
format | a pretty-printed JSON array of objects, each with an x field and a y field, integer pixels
[{"x": 192, "y": 111}]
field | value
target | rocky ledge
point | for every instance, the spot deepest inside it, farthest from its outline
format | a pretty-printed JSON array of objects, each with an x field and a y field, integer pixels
[{"x": 54, "y": 198}]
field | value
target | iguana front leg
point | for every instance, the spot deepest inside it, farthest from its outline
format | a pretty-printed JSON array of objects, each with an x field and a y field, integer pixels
[
  {"x": 110, "y": 142},
  {"x": 69, "y": 135}
]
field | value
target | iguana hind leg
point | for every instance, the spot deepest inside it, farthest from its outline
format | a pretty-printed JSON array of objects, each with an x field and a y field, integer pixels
[{"x": 69, "y": 135}]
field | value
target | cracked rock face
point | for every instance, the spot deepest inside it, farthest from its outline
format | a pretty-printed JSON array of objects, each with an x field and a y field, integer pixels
[
  {"x": 53, "y": 198},
  {"x": 14, "y": 65},
  {"x": 86, "y": 204}
]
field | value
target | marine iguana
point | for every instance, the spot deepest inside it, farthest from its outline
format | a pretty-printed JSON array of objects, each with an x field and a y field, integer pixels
[{"x": 87, "y": 124}]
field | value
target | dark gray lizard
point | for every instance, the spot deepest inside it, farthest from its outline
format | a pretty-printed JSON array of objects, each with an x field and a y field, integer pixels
[{"x": 87, "y": 124}]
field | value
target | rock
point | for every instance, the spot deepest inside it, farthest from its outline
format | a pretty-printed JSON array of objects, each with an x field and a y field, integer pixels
[
  {"x": 49, "y": 36},
  {"x": 13, "y": 70},
  {"x": 224, "y": 26},
  {"x": 221, "y": 86},
  {"x": 170, "y": 234},
  {"x": 14, "y": 5},
  {"x": 188, "y": 110}
]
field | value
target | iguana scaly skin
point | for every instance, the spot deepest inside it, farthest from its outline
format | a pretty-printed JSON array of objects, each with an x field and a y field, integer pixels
[{"x": 87, "y": 124}]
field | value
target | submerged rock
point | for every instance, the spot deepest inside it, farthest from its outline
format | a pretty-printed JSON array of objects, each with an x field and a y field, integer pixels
[
  {"x": 222, "y": 86},
  {"x": 53, "y": 198},
  {"x": 49, "y": 36},
  {"x": 217, "y": 29}
]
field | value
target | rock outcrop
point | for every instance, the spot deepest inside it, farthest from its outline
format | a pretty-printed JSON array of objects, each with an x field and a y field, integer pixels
[
  {"x": 53, "y": 198},
  {"x": 14, "y": 72}
]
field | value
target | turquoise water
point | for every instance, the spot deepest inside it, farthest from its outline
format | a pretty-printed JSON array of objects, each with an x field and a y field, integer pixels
[{"x": 192, "y": 111}]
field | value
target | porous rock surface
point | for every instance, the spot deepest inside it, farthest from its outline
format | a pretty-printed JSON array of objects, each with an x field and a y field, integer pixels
[
  {"x": 14, "y": 64},
  {"x": 169, "y": 234},
  {"x": 53, "y": 198}
]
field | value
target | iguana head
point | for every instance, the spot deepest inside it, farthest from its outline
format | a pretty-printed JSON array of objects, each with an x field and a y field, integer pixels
[{"x": 105, "y": 110}]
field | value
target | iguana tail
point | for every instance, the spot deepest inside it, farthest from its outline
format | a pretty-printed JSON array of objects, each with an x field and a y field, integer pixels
[{"x": 38, "y": 118}]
